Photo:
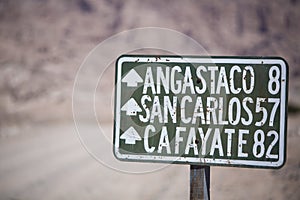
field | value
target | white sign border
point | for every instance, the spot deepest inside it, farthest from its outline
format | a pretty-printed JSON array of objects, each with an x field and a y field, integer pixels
[{"x": 203, "y": 161}]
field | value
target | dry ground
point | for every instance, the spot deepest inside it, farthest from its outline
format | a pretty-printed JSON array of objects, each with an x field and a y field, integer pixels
[{"x": 42, "y": 46}]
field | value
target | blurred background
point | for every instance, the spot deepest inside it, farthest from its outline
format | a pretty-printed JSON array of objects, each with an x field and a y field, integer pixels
[{"x": 44, "y": 42}]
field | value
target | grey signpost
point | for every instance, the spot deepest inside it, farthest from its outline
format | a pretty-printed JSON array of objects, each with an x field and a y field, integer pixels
[
  {"x": 200, "y": 182},
  {"x": 201, "y": 111}
]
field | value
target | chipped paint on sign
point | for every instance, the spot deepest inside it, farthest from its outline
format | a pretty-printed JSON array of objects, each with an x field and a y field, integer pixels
[{"x": 201, "y": 110}]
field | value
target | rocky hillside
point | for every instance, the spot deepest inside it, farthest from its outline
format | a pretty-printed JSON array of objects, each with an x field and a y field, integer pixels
[{"x": 43, "y": 42}]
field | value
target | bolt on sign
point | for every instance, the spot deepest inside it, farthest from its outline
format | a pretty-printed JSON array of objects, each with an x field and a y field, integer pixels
[{"x": 229, "y": 111}]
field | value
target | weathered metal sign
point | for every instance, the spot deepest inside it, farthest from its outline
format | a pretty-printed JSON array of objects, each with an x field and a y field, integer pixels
[{"x": 227, "y": 111}]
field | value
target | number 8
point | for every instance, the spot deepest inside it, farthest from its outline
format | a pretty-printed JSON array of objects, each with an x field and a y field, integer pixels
[
  {"x": 274, "y": 79},
  {"x": 259, "y": 143}
]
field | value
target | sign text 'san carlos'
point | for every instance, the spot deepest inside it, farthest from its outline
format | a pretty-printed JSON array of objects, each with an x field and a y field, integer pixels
[{"x": 214, "y": 111}]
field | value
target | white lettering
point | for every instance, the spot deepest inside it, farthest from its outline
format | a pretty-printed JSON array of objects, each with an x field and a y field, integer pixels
[
  {"x": 163, "y": 79},
  {"x": 251, "y": 87},
  {"x": 222, "y": 81},
  {"x": 149, "y": 82},
  {"x": 143, "y": 101},
  {"x": 216, "y": 143},
  {"x": 156, "y": 110},
  {"x": 232, "y": 79},
  {"x": 146, "y": 138},
  {"x": 201, "y": 79},
  {"x": 229, "y": 140},
  {"x": 175, "y": 90},
  {"x": 204, "y": 138},
  {"x": 178, "y": 138},
  {"x": 164, "y": 141},
  {"x": 241, "y": 142},
  {"x": 191, "y": 142},
  {"x": 231, "y": 111}
]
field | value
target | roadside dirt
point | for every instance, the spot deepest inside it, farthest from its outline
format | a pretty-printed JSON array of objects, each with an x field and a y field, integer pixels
[{"x": 43, "y": 44}]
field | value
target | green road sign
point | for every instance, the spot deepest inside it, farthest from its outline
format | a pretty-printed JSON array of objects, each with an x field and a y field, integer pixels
[{"x": 229, "y": 111}]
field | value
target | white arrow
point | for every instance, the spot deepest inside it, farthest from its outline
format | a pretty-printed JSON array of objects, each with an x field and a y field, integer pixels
[
  {"x": 132, "y": 78},
  {"x": 131, "y": 107},
  {"x": 130, "y": 136}
]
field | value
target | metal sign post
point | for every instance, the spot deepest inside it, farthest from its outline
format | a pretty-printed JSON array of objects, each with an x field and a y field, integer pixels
[
  {"x": 201, "y": 111},
  {"x": 199, "y": 182}
]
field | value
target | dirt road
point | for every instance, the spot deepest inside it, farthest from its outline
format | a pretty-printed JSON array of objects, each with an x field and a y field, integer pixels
[
  {"x": 43, "y": 43},
  {"x": 49, "y": 162}
]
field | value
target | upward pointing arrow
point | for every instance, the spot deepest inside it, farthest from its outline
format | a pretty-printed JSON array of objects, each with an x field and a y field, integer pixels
[
  {"x": 132, "y": 78},
  {"x": 131, "y": 107},
  {"x": 130, "y": 136}
]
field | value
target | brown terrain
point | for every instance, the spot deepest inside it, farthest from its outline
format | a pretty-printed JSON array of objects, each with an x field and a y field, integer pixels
[{"x": 44, "y": 42}]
